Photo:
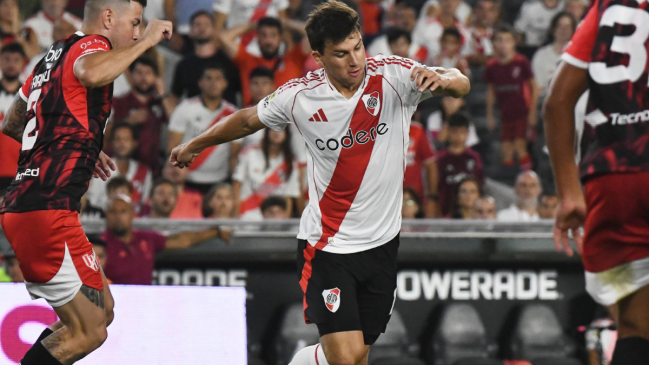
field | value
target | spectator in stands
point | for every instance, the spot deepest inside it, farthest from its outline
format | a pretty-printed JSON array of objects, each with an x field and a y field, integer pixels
[
  {"x": 528, "y": 189},
  {"x": 450, "y": 56},
  {"x": 486, "y": 15},
  {"x": 547, "y": 58},
  {"x": 548, "y": 206},
  {"x": 11, "y": 29},
  {"x": 194, "y": 116},
  {"x": 12, "y": 61},
  {"x": 180, "y": 12},
  {"x": 456, "y": 162},
  {"x": 265, "y": 170},
  {"x": 534, "y": 20},
  {"x": 29, "y": 8},
  {"x": 232, "y": 13},
  {"x": 411, "y": 206},
  {"x": 189, "y": 201},
  {"x": 12, "y": 267},
  {"x": 577, "y": 8},
  {"x": 420, "y": 166},
  {"x": 99, "y": 246},
  {"x": 206, "y": 53},
  {"x": 124, "y": 144},
  {"x": 398, "y": 40},
  {"x": 42, "y": 23},
  {"x": 143, "y": 108},
  {"x": 485, "y": 208},
  {"x": 274, "y": 207},
  {"x": 219, "y": 202},
  {"x": 164, "y": 197},
  {"x": 429, "y": 30},
  {"x": 61, "y": 30},
  {"x": 286, "y": 66},
  {"x": 432, "y": 8},
  {"x": 89, "y": 212},
  {"x": 468, "y": 192},
  {"x": 131, "y": 252},
  {"x": 118, "y": 185},
  {"x": 511, "y": 82}
]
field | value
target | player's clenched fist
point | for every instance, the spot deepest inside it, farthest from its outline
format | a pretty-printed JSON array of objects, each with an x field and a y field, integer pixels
[
  {"x": 181, "y": 156},
  {"x": 157, "y": 30}
]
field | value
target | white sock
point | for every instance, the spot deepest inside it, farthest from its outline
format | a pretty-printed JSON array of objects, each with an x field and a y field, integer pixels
[{"x": 307, "y": 356}]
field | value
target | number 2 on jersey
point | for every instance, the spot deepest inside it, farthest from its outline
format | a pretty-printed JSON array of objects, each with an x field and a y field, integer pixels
[{"x": 29, "y": 141}]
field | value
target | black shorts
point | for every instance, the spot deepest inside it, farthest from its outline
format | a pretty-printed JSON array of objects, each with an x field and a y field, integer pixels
[{"x": 349, "y": 292}]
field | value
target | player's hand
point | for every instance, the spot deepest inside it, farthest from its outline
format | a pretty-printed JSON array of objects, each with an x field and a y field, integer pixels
[
  {"x": 491, "y": 123},
  {"x": 570, "y": 218},
  {"x": 156, "y": 31},
  {"x": 103, "y": 167},
  {"x": 181, "y": 156},
  {"x": 428, "y": 79}
]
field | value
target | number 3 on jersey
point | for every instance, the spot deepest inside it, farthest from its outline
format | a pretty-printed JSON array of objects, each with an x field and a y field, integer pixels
[{"x": 29, "y": 141}]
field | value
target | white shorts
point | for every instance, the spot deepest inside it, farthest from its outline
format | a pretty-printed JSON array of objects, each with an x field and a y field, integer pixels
[{"x": 608, "y": 287}]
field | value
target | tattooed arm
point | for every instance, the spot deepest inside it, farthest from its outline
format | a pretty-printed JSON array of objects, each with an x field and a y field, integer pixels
[{"x": 15, "y": 121}]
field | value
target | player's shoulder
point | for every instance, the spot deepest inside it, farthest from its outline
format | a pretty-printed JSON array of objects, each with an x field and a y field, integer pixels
[
  {"x": 389, "y": 64},
  {"x": 311, "y": 79}
]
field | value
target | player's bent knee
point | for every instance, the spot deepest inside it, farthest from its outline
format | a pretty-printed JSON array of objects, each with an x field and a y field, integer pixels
[{"x": 96, "y": 338}]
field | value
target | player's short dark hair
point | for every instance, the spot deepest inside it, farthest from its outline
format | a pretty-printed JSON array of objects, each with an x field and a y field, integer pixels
[
  {"x": 273, "y": 201},
  {"x": 96, "y": 240},
  {"x": 452, "y": 32},
  {"x": 504, "y": 28},
  {"x": 262, "y": 71},
  {"x": 123, "y": 125},
  {"x": 459, "y": 120},
  {"x": 146, "y": 61},
  {"x": 394, "y": 34},
  {"x": 162, "y": 181},
  {"x": 92, "y": 6},
  {"x": 201, "y": 13},
  {"x": 331, "y": 21},
  {"x": 270, "y": 22},
  {"x": 13, "y": 47},
  {"x": 118, "y": 182}
]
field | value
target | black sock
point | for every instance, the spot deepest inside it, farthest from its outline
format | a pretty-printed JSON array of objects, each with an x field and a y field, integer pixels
[
  {"x": 45, "y": 333},
  {"x": 631, "y": 351},
  {"x": 38, "y": 355}
]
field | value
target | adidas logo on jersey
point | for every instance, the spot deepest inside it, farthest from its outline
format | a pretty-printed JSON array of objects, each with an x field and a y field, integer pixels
[{"x": 319, "y": 117}]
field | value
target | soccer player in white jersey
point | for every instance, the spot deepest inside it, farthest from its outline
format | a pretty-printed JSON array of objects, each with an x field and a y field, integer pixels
[{"x": 354, "y": 115}]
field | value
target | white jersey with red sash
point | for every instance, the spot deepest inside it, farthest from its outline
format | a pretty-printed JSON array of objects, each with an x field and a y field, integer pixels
[
  {"x": 259, "y": 181},
  {"x": 356, "y": 159},
  {"x": 191, "y": 118}
]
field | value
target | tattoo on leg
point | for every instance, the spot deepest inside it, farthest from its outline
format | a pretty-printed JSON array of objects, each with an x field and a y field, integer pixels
[
  {"x": 54, "y": 343},
  {"x": 95, "y": 296}
]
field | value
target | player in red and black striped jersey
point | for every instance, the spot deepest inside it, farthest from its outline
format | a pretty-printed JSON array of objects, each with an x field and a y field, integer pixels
[
  {"x": 608, "y": 56},
  {"x": 59, "y": 117}
]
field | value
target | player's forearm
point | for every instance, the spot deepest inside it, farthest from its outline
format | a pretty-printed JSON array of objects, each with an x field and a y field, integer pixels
[
  {"x": 233, "y": 127},
  {"x": 101, "y": 68},
  {"x": 459, "y": 84},
  {"x": 15, "y": 121}
]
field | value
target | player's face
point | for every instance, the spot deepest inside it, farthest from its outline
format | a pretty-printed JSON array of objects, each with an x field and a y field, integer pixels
[
  {"x": 164, "y": 199},
  {"x": 409, "y": 206},
  {"x": 100, "y": 252},
  {"x": 202, "y": 29},
  {"x": 457, "y": 136},
  {"x": 9, "y": 10},
  {"x": 222, "y": 203},
  {"x": 123, "y": 143},
  {"x": 485, "y": 209},
  {"x": 504, "y": 44},
  {"x": 276, "y": 138},
  {"x": 275, "y": 212},
  {"x": 450, "y": 46},
  {"x": 467, "y": 194},
  {"x": 119, "y": 217},
  {"x": 548, "y": 207},
  {"x": 13, "y": 270},
  {"x": 125, "y": 28},
  {"x": 563, "y": 32},
  {"x": 54, "y": 8},
  {"x": 143, "y": 78},
  {"x": 11, "y": 65},
  {"x": 260, "y": 87},
  {"x": 400, "y": 47},
  {"x": 212, "y": 84},
  {"x": 486, "y": 13},
  {"x": 269, "y": 39},
  {"x": 344, "y": 62}
]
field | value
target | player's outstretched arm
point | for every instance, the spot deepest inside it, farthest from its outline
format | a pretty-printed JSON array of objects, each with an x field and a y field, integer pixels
[
  {"x": 568, "y": 85},
  {"x": 101, "y": 68},
  {"x": 441, "y": 82},
  {"x": 235, "y": 126},
  {"x": 16, "y": 119}
]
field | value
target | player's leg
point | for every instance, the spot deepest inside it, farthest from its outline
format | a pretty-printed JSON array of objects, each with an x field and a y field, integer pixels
[
  {"x": 109, "y": 301},
  {"x": 632, "y": 346}
]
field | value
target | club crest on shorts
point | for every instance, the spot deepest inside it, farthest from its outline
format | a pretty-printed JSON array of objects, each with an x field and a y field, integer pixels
[
  {"x": 91, "y": 261},
  {"x": 332, "y": 299},
  {"x": 372, "y": 102}
]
